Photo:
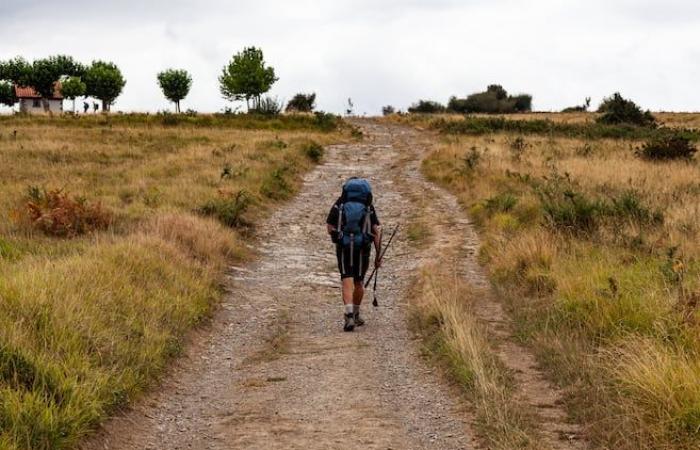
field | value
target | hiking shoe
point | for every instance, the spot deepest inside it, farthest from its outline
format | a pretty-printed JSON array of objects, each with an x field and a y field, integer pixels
[
  {"x": 349, "y": 322},
  {"x": 359, "y": 321}
]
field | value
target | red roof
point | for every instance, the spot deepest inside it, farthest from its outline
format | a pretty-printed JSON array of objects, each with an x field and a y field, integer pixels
[{"x": 29, "y": 92}]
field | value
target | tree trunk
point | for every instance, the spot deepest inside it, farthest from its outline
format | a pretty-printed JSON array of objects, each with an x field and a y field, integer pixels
[
  {"x": 105, "y": 106},
  {"x": 73, "y": 105},
  {"x": 177, "y": 106},
  {"x": 45, "y": 104}
]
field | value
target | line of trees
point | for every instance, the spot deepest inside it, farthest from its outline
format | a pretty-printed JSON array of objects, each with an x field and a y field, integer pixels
[
  {"x": 246, "y": 77},
  {"x": 494, "y": 100},
  {"x": 101, "y": 79}
]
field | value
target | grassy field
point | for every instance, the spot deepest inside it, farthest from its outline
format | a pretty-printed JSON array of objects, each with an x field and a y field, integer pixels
[
  {"x": 115, "y": 233},
  {"x": 597, "y": 253}
]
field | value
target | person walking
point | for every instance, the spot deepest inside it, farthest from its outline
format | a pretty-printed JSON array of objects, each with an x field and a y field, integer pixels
[{"x": 354, "y": 226}]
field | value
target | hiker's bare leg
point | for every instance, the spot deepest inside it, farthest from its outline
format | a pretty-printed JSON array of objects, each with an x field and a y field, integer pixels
[
  {"x": 348, "y": 291},
  {"x": 358, "y": 293}
]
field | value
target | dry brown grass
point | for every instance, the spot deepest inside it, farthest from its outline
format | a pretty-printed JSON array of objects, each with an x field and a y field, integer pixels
[
  {"x": 89, "y": 320},
  {"x": 609, "y": 309},
  {"x": 443, "y": 314}
]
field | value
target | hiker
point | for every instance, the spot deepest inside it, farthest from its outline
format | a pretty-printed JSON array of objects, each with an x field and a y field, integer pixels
[
  {"x": 86, "y": 106},
  {"x": 353, "y": 226},
  {"x": 95, "y": 106}
]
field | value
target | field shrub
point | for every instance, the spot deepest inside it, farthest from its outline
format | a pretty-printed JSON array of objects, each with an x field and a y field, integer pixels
[
  {"x": 426, "y": 107},
  {"x": 326, "y": 121},
  {"x": 478, "y": 126},
  {"x": 388, "y": 110},
  {"x": 667, "y": 148},
  {"x": 275, "y": 186},
  {"x": 228, "y": 208},
  {"x": 56, "y": 213},
  {"x": 302, "y": 103},
  {"x": 313, "y": 151},
  {"x": 268, "y": 106},
  {"x": 495, "y": 100},
  {"x": 617, "y": 110}
]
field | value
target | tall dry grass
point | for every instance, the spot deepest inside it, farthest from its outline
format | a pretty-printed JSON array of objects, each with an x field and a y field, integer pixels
[
  {"x": 604, "y": 291},
  {"x": 442, "y": 312},
  {"x": 87, "y": 322}
]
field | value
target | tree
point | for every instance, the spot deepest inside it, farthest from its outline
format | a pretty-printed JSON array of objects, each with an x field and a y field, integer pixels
[
  {"x": 16, "y": 70},
  {"x": 175, "y": 85},
  {"x": 73, "y": 87},
  {"x": 104, "y": 81},
  {"x": 247, "y": 77},
  {"x": 46, "y": 72},
  {"x": 7, "y": 94},
  {"x": 302, "y": 103}
]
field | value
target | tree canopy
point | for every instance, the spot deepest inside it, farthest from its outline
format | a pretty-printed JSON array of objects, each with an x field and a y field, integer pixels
[
  {"x": 7, "y": 94},
  {"x": 104, "y": 81},
  {"x": 246, "y": 77},
  {"x": 175, "y": 85}
]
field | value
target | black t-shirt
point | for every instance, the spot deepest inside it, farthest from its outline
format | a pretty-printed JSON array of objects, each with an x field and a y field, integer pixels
[{"x": 332, "y": 218}]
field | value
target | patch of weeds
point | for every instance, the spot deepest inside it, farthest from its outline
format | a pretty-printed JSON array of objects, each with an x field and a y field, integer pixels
[
  {"x": 356, "y": 133},
  {"x": 504, "y": 202},
  {"x": 152, "y": 197},
  {"x": 275, "y": 144},
  {"x": 313, "y": 150},
  {"x": 471, "y": 160},
  {"x": 517, "y": 148},
  {"x": 228, "y": 208},
  {"x": 56, "y": 213},
  {"x": 584, "y": 151},
  {"x": 276, "y": 186},
  {"x": 666, "y": 148},
  {"x": 7, "y": 251}
]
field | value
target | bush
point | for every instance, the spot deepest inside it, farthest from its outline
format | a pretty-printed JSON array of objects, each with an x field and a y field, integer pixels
[
  {"x": 578, "y": 108},
  {"x": 313, "y": 151},
  {"x": 426, "y": 107},
  {"x": 665, "y": 148},
  {"x": 228, "y": 208},
  {"x": 275, "y": 185},
  {"x": 55, "y": 213},
  {"x": 618, "y": 110},
  {"x": 268, "y": 106},
  {"x": 326, "y": 121},
  {"x": 388, "y": 110},
  {"x": 494, "y": 100},
  {"x": 302, "y": 103}
]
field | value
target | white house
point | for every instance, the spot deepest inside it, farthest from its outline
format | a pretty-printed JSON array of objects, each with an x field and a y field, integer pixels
[{"x": 31, "y": 102}]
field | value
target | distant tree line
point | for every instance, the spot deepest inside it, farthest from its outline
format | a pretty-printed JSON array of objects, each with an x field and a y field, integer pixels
[
  {"x": 102, "y": 80},
  {"x": 494, "y": 100},
  {"x": 246, "y": 77}
]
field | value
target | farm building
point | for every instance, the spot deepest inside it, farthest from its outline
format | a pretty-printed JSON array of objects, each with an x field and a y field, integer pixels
[{"x": 30, "y": 101}]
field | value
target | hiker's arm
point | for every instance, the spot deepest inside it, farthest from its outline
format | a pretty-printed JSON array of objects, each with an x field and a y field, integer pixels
[
  {"x": 377, "y": 231},
  {"x": 330, "y": 228}
]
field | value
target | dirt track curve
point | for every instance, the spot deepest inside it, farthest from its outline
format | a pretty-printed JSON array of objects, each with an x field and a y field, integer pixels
[{"x": 275, "y": 371}]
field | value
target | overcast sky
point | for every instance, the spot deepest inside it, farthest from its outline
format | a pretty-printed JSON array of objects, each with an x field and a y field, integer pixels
[{"x": 380, "y": 52}]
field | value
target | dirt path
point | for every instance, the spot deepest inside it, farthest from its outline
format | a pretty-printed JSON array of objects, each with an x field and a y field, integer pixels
[{"x": 274, "y": 371}]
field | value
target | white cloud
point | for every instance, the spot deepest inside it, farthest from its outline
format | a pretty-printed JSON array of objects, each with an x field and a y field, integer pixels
[{"x": 383, "y": 51}]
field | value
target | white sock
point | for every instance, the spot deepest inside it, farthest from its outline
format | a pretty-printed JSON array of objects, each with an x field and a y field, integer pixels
[
  {"x": 356, "y": 309},
  {"x": 349, "y": 309}
]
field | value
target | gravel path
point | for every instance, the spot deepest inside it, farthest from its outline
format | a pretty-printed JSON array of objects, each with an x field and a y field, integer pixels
[{"x": 275, "y": 371}]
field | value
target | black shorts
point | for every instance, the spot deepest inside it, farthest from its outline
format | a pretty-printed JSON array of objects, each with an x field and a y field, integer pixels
[{"x": 353, "y": 264}]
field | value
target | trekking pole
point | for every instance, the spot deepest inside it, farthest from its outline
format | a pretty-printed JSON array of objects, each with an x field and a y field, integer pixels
[{"x": 376, "y": 269}]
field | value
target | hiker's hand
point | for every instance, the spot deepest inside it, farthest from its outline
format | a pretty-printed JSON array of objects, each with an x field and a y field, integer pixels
[{"x": 377, "y": 262}]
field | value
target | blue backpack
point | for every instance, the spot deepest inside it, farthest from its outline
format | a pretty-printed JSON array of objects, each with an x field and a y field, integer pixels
[{"x": 354, "y": 221}]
